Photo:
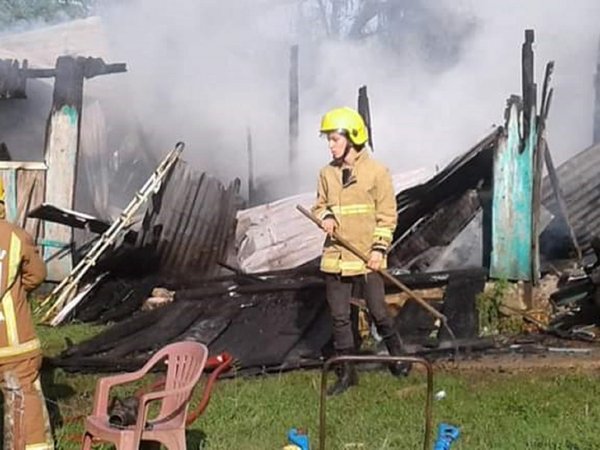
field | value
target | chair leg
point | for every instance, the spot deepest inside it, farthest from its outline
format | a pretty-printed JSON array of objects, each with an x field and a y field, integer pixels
[
  {"x": 174, "y": 441},
  {"x": 126, "y": 442},
  {"x": 87, "y": 442}
]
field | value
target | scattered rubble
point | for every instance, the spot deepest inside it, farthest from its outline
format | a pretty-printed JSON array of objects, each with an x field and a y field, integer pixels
[{"x": 189, "y": 262}]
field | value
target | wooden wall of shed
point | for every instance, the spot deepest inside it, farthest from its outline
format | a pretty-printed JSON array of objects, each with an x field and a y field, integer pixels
[{"x": 25, "y": 189}]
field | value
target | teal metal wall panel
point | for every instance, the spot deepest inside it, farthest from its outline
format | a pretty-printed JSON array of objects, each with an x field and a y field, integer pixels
[{"x": 512, "y": 207}]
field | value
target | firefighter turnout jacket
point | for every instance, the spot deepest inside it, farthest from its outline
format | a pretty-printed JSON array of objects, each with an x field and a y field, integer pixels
[
  {"x": 21, "y": 270},
  {"x": 364, "y": 207}
]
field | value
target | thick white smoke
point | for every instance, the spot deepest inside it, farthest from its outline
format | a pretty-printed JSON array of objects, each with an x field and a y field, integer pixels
[{"x": 206, "y": 71}]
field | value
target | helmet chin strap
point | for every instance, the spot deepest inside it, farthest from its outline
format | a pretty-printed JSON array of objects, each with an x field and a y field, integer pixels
[{"x": 339, "y": 161}]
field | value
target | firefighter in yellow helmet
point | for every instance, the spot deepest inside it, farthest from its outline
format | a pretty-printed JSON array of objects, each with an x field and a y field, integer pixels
[
  {"x": 355, "y": 197},
  {"x": 21, "y": 270}
]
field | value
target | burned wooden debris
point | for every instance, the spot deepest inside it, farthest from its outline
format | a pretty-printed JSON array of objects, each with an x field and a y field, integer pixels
[
  {"x": 286, "y": 316},
  {"x": 271, "y": 313},
  {"x": 73, "y": 219}
]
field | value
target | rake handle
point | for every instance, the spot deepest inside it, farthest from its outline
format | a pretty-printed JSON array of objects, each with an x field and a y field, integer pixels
[{"x": 384, "y": 273}]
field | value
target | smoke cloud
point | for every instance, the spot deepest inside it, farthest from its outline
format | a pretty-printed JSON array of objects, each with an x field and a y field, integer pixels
[{"x": 207, "y": 71}]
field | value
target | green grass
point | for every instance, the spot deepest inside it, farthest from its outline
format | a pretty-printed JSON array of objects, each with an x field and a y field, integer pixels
[{"x": 541, "y": 410}]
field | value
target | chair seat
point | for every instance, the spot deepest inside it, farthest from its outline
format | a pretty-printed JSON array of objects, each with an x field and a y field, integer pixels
[{"x": 99, "y": 426}]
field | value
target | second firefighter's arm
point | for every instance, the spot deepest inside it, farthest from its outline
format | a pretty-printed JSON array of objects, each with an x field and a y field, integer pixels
[{"x": 33, "y": 269}]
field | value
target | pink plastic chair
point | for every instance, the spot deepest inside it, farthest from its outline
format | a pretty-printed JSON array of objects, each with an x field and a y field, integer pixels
[{"x": 185, "y": 362}]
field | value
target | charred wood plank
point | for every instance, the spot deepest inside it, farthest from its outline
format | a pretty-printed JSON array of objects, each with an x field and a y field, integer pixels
[
  {"x": 130, "y": 304},
  {"x": 205, "y": 330},
  {"x": 294, "y": 102},
  {"x": 364, "y": 109},
  {"x": 468, "y": 171},
  {"x": 437, "y": 230},
  {"x": 169, "y": 326},
  {"x": 276, "y": 325},
  {"x": 460, "y": 306},
  {"x": 528, "y": 85},
  {"x": 110, "y": 337},
  {"x": 414, "y": 324},
  {"x": 190, "y": 294},
  {"x": 113, "y": 297}
]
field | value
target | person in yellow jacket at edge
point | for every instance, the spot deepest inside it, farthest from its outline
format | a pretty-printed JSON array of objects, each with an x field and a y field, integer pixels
[
  {"x": 355, "y": 197},
  {"x": 22, "y": 270}
]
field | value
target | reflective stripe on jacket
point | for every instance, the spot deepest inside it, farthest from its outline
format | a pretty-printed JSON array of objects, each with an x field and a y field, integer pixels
[
  {"x": 365, "y": 211},
  {"x": 21, "y": 270}
]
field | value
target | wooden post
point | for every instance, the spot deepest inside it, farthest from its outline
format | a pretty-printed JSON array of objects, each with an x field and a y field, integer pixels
[
  {"x": 596, "y": 136},
  {"x": 250, "y": 168},
  {"x": 62, "y": 143},
  {"x": 364, "y": 109},
  {"x": 294, "y": 108},
  {"x": 14, "y": 426},
  {"x": 538, "y": 164},
  {"x": 528, "y": 86}
]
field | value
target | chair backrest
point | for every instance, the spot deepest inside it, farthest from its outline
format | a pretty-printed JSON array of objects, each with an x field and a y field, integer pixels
[{"x": 185, "y": 362}]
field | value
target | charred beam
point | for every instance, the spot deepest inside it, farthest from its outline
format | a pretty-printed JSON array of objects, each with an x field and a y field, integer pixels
[
  {"x": 294, "y": 107},
  {"x": 364, "y": 109},
  {"x": 596, "y": 136}
]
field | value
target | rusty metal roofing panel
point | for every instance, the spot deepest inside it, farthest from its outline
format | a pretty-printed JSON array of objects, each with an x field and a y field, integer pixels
[
  {"x": 275, "y": 236},
  {"x": 579, "y": 179},
  {"x": 195, "y": 218}
]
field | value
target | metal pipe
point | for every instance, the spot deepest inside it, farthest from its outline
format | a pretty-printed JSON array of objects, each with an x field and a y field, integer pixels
[{"x": 378, "y": 359}]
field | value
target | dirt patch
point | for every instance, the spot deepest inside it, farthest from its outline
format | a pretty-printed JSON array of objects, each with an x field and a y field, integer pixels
[{"x": 546, "y": 360}]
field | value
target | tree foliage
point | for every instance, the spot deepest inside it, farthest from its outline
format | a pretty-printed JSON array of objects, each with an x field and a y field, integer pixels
[
  {"x": 15, "y": 14},
  {"x": 435, "y": 31}
]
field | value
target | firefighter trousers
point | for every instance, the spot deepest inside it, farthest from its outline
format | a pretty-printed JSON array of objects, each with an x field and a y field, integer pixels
[
  {"x": 339, "y": 292},
  {"x": 34, "y": 416}
]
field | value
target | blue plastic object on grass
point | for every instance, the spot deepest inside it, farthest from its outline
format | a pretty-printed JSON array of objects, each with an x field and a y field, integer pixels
[
  {"x": 299, "y": 438},
  {"x": 447, "y": 434}
]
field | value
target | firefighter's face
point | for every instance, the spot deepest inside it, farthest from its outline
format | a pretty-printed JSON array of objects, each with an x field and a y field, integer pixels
[{"x": 337, "y": 144}]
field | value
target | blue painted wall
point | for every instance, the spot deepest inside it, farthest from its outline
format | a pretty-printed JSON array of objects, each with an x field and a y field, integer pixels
[{"x": 512, "y": 207}]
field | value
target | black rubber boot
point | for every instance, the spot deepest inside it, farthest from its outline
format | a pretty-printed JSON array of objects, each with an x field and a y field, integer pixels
[
  {"x": 347, "y": 377},
  {"x": 394, "y": 346}
]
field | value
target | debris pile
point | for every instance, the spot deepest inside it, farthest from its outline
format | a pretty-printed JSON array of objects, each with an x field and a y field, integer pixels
[
  {"x": 284, "y": 313},
  {"x": 185, "y": 261}
]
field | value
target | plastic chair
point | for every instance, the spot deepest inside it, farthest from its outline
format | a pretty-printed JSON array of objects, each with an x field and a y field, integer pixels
[{"x": 185, "y": 362}]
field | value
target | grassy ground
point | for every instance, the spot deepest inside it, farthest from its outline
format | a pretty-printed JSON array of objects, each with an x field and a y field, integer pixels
[{"x": 540, "y": 410}]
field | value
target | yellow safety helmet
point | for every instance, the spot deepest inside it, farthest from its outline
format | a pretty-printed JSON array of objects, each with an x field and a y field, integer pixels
[{"x": 346, "y": 120}]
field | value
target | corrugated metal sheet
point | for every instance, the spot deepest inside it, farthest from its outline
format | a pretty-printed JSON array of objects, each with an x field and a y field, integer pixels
[
  {"x": 276, "y": 236},
  {"x": 194, "y": 218},
  {"x": 580, "y": 184}
]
